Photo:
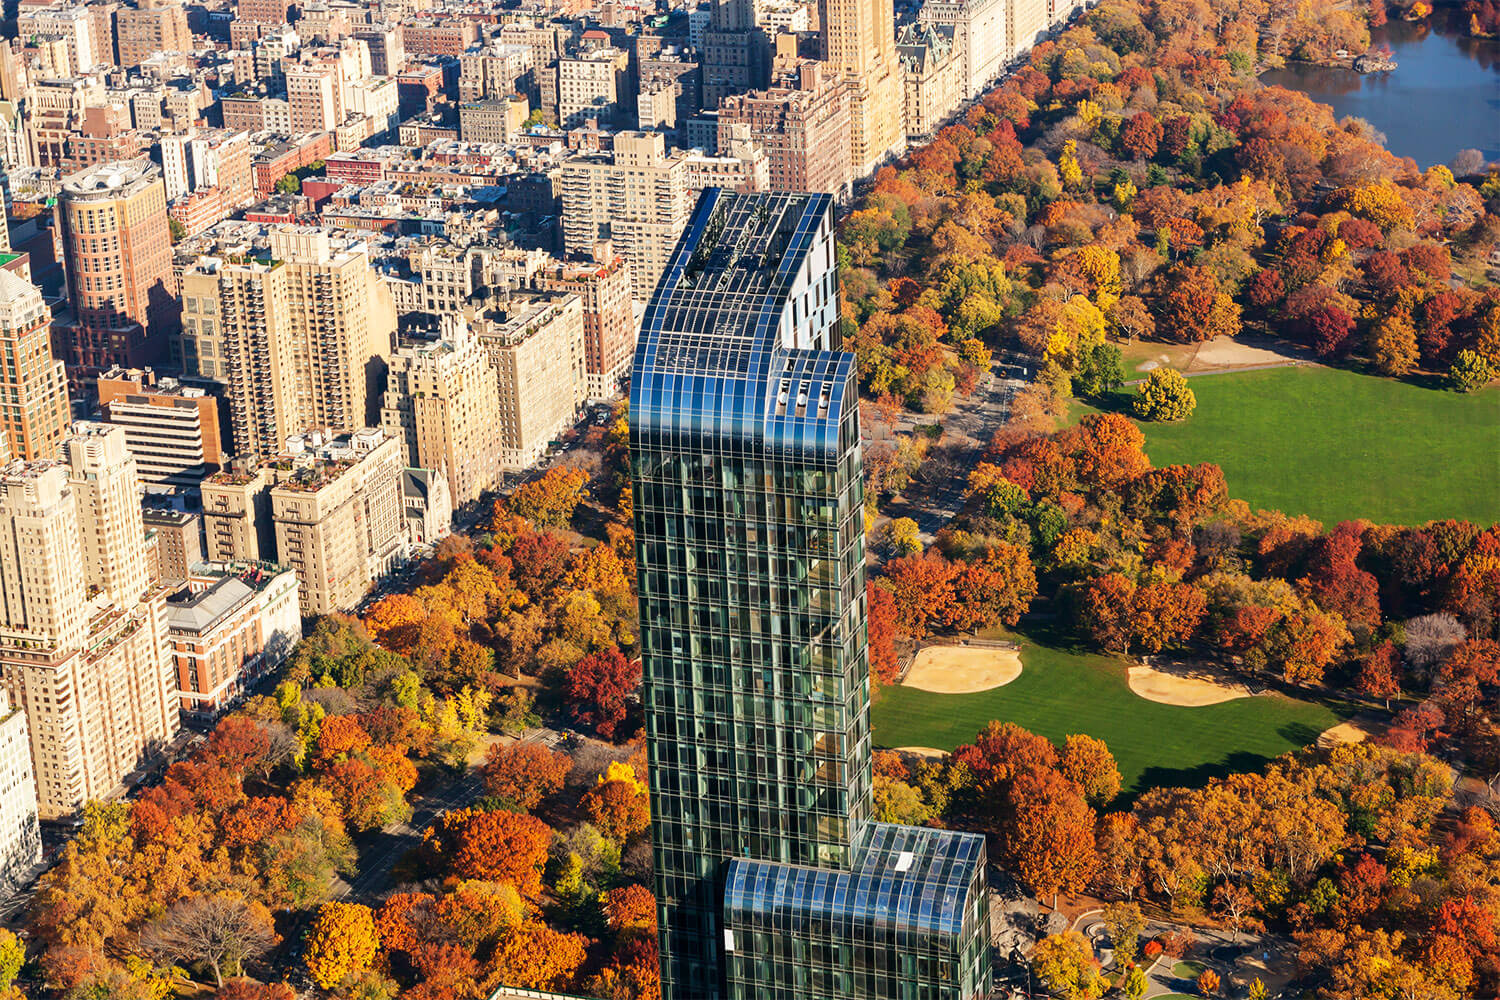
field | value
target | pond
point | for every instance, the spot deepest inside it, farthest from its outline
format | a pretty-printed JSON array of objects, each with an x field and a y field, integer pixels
[{"x": 1443, "y": 97}]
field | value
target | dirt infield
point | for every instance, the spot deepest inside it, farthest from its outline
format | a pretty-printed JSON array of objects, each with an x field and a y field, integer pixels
[
  {"x": 1184, "y": 685},
  {"x": 962, "y": 669},
  {"x": 932, "y": 753},
  {"x": 1344, "y": 732}
]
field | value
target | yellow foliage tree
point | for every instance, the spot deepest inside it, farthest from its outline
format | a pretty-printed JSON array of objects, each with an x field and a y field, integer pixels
[{"x": 342, "y": 941}]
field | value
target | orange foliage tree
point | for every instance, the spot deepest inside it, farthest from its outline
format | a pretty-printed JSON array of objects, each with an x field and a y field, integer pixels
[{"x": 522, "y": 774}]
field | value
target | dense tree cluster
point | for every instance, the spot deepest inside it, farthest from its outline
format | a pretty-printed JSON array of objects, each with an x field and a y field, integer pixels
[{"x": 1135, "y": 179}]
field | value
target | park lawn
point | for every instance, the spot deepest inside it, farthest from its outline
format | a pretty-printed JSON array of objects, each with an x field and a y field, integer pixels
[
  {"x": 1061, "y": 692},
  {"x": 1336, "y": 445}
]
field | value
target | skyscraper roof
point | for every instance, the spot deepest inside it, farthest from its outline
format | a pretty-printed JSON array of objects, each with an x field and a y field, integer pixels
[{"x": 735, "y": 339}]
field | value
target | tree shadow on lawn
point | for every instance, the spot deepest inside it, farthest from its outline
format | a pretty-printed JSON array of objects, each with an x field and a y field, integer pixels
[{"x": 1194, "y": 777}]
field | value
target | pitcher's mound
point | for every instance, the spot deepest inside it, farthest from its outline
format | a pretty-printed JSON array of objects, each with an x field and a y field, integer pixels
[
  {"x": 1344, "y": 732},
  {"x": 1184, "y": 686},
  {"x": 962, "y": 669}
]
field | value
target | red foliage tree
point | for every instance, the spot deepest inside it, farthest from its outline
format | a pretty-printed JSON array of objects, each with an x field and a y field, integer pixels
[
  {"x": 599, "y": 688},
  {"x": 1141, "y": 136}
]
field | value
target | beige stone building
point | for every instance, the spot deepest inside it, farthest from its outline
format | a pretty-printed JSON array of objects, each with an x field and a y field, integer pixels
[
  {"x": 338, "y": 515},
  {"x": 589, "y": 85},
  {"x": 297, "y": 341},
  {"x": 859, "y": 40},
  {"x": 237, "y": 516},
  {"x": 442, "y": 401},
  {"x": 20, "y": 833},
  {"x": 152, "y": 26},
  {"x": 33, "y": 386},
  {"x": 933, "y": 77},
  {"x": 638, "y": 197},
  {"x": 82, "y": 628},
  {"x": 536, "y": 344}
]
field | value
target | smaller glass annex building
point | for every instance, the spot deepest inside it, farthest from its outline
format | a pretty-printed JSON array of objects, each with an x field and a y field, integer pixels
[{"x": 910, "y": 922}]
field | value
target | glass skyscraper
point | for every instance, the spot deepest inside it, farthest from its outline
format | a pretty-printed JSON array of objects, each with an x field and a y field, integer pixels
[{"x": 772, "y": 880}]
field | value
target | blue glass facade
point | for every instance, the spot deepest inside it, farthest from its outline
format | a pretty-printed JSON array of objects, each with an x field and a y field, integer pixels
[{"x": 750, "y": 548}]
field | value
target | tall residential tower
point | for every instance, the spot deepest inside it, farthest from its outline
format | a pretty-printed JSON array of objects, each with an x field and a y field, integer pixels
[{"x": 772, "y": 880}]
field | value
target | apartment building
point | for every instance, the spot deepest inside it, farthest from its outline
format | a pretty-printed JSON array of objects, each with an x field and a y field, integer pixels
[
  {"x": 297, "y": 339},
  {"x": 803, "y": 128},
  {"x": 338, "y": 515},
  {"x": 82, "y": 634},
  {"x": 20, "y": 833},
  {"x": 536, "y": 345},
  {"x": 442, "y": 402},
  {"x": 315, "y": 96},
  {"x": 859, "y": 40},
  {"x": 171, "y": 429},
  {"x": 229, "y": 625},
  {"x": 34, "y": 388},
  {"x": 609, "y": 327},
  {"x": 237, "y": 516},
  {"x": 589, "y": 85},
  {"x": 637, "y": 196},
  {"x": 179, "y": 541},
  {"x": 118, "y": 255},
  {"x": 151, "y": 27},
  {"x": 933, "y": 77}
]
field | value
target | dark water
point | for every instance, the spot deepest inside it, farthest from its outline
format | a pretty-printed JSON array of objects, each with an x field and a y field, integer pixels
[{"x": 1444, "y": 97}]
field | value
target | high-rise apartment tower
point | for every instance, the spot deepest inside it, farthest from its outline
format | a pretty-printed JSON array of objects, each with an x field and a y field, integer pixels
[{"x": 772, "y": 880}]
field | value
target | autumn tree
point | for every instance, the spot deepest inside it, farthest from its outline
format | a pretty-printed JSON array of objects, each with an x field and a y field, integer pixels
[
  {"x": 922, "y": 588},
  {"x": 1050, "y": 839},
  {"x": 536, "y": 957},
  {"x": 1141, "y": 136},
  {"x": 1125, "y": 925},
  {"x": 630, "y": 909},
  {"x": 620, "y": 809},
  {"x": 249, "y": 989},
  {"x": 340, "y": 942},
  {"x": 995, "y": 589},
  {"x": 1191, "y": 307},
  {"x": 881, "y": 616},
  {"x": 1163, "y": 396},
  {"x": 1087, "y": 763},
  {"x": 522, "y": 774},
  {"x": 497, "y": 846},
  {"x": 549, "y": 501},
  {"x": 599, "y": 687},
  {"x": 1065, "y": 964},
  {"x": 1208, "y": 982},
  {"x": 220, "y": 931}
]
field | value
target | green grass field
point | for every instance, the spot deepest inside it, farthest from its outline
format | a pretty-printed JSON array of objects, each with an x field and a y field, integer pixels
[
  {"x": 1336, "y": 444},
  {"x": 1061, "y": 692}
]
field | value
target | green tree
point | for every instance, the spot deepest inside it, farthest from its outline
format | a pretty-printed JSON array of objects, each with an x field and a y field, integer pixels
[
  {"x": 1134, "y": 983},
  {"x": 289, "y": 184},
  {"x": 177, "y": 229},
  {"x": 1163, "y": 396},
  {"x": 1101, "y": 370},
  {"x": 1470, "y": 371},
  {"x": 1125, "y": 925}
]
